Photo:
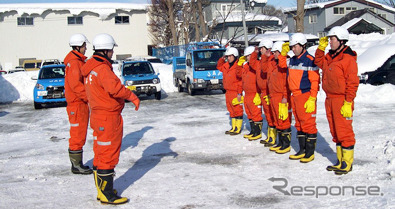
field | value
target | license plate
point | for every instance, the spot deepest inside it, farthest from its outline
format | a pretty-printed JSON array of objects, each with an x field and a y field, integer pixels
[
  {"x": 57, "y": 95},
  {"x": 42, "y": 93},
  {"x": 132, "y": 88},
  {"x": 214, "y": 81}
]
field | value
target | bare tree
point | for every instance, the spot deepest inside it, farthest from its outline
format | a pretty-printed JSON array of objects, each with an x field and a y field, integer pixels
[
  {"x": 315, "y": 1},
  {"x": 194, "y": 19},
  {"x": 221, "y": 19},
  {"x": 162, "y": 24},
  {"x": 299, "y": 16},
  {"x": 170, "y": 7},
  {"x": 271, "y": 11},
  {"x": 201, "y": 18}
]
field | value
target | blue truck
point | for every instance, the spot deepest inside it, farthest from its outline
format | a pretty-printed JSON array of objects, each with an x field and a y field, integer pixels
[{"x": 197, "y": 70}]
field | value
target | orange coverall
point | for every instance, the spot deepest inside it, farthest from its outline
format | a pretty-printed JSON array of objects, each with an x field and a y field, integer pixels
[
  {"x": 77, "y": 102},
  {"x": 340, "y": 82},
  {"x": 232, "y": 84},
  {"x": 261, "y": 79},
  {"x": 278, "y": 89},
  {"x": 106, "y": 96},
  {"x": 250, "y": 88},
  {"x": 303, "y": 81}
]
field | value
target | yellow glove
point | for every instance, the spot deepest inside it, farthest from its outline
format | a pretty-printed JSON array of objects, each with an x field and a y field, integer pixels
[
  {"x": 131, "y": 88},
  {"x": 236, "y": 102},
  {"x": 346, "y": 109},
  {"x": 310, "y": 104},
  {"x": 257, "y": 99},
  {"x": 323, "y": 43},
  {"x": 242, "y": 59},
  {"x": 283, "y": 111},
  {"x": 267, "y": 99},
  {"x": 285, "y": 49}
]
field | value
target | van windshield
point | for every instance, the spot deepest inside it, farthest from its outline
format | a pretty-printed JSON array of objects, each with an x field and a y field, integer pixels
[
  {"x": 207, "y": 59},
  {"x": 137, "y": 68},
  {"x": 51, "y": 72}
]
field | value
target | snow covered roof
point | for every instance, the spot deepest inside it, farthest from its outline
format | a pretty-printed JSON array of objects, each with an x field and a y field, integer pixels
[
  {"x": 352, "y": 22},
  {"x": 323, "y": 4},
  {"x": 273, "y": 37},
  {"x": 103, "y": 9},
  {"x": 249, "y": 17}
]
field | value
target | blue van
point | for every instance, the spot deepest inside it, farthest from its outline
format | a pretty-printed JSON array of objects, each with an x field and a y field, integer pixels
[
  {"x": 140, "y": 77},
  {"x": 50, "y": 86}
]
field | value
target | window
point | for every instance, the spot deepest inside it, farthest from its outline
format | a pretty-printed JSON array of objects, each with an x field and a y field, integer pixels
[
  {"x": 25, "y": 21},
  {"x": 121, "y": 19},
  {"x": 372, "y": 9},
  {"x": 350, "y": 9},
  {"x": 383, "y": 16},
  {"x": 74, "y": 20},
  {"x": 313, "y": 18},
  {"x": 338, "y": 10}
]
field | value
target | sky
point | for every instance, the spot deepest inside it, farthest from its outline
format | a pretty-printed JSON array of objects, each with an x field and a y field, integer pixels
[{"x": 276, "y": 3}]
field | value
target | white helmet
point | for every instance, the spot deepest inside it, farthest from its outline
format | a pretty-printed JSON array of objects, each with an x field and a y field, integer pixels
[
  {"x": 277, "y": 46},
  {"x": 340, "y": 32},
  {"x": 103, "y": 41},
  {"x": 249, "y": 50},
  {"x": 232, "y": 50},
  {"x": 297, "y": 38},
  {"x": 268, "y": 44},
  {"x": 78, "y": 40}
]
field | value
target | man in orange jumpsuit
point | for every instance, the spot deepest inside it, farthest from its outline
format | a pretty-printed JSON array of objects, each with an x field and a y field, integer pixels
[
  {"x": 279, "y": 94},
  {"x": 303, "y": 82},
  {"x": 228, "y": 65},
  {"x": 77, "y": 102},
  {"x": 340, "y": 83},
  {"x": 262, "y": 74},
  {"x": 106, "y": 96},
  {"x": 252, "y": 100}
]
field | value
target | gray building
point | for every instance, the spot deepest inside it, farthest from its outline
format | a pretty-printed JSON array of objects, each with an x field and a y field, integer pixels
[
  {"x": 224, "y": 19},
  {"x": 352, "y": 14}
]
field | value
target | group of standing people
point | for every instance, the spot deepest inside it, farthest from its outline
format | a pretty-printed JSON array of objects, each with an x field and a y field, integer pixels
[
  {"x": 93, "y": 92},
  {"x": 284, "y": 87}
]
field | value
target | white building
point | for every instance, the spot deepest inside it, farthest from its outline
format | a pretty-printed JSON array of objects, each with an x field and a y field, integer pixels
[{"x": 42, "y": 30}]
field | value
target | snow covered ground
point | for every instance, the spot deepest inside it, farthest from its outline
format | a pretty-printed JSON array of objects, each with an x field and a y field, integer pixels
[{"x": 175, "y": 155}]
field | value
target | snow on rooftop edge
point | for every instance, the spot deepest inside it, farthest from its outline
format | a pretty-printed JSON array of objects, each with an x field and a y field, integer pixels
[{"x": 103, "y": 9}]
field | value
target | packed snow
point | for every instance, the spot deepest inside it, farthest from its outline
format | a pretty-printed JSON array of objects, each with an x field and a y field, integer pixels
[{"x": 175, "y": 153}]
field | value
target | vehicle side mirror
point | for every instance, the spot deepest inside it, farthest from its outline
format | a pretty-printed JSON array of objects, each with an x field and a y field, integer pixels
[
  {"x": 189, "y": 64},
  {"x": 34, "y": 77},
  {"x": 158, "y": 74}
]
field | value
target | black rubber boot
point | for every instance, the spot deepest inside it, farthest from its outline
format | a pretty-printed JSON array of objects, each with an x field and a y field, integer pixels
[
  {"x": 251, "y": 132},
  {"x": 257, "y": 134},
  {"x": 285, "y": 136},
  {"x": 302, "y": 146},
  {"x": 311, "y": 140},
  {"x": 106, "y": 193},
  {"x": 279, "y": 142},
  {"x": 76, "y": 163}
]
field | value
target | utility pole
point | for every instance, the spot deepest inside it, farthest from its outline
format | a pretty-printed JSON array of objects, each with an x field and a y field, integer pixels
[{"x": 244, "y": 23}]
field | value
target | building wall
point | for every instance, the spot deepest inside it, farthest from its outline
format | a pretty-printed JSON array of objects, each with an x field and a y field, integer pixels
[
  {"x": 48, "y": 37},
  {"x": 328, "y": 17}
]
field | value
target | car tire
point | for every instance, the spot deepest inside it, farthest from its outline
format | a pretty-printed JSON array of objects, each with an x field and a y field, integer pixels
[
  {"x": 179, "y": 88},
  {"x": 190, "y": 90},
  {"x": 223, "y": 91},
  {"x": 37, "y": 105},
  {"x": 158, "y": 95}
]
